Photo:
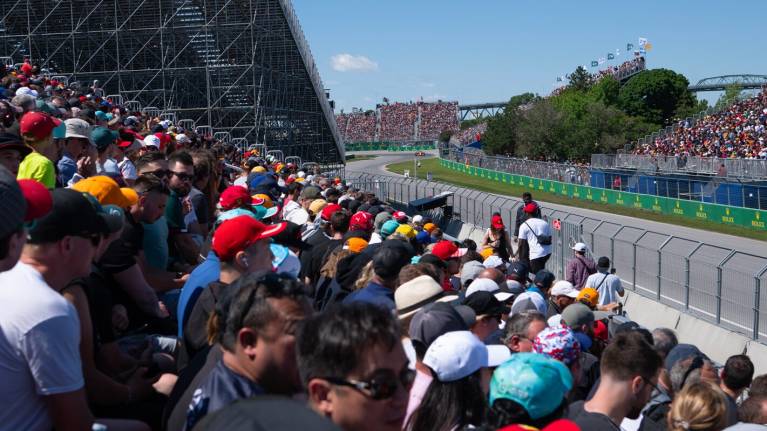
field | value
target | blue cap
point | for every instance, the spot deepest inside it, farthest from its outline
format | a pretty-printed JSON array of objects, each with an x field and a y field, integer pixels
[
  {"x": 280, "y": 253},
  {"x": 424, "y": 237},
  {"x": 263, "y": 213},
  {"x": 103, "y": 137},
  {"x": 234, "y": 213},
  {"x": 536, "y": 382}
]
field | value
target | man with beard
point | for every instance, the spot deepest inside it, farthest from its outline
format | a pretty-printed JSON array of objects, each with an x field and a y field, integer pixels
[
  {"x": 630, "y": 368},
  {"x": 178, "y": 208}
]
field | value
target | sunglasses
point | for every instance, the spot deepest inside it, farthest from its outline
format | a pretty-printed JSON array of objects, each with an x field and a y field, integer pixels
[
  {"x": 160, "y": 173},
  {"x": 381, "y": 386},
  {"x": 182, "y": 176}
]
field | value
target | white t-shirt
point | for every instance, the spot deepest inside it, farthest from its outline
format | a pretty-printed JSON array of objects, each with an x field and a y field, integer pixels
[
  {"x": 608, "y": 289},
  {"x": 128, "y": 169},
  {"x": 528, "y": 231},
  {"x": 39, "y": 348}
]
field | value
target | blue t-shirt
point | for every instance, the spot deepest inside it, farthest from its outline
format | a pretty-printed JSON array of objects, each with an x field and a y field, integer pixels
[
  {"x": 156, "y": 244},
  {"x": 67, "y": 168},
  {"x": 205, "y": 273},
  {"x": 373, "y": 293}
]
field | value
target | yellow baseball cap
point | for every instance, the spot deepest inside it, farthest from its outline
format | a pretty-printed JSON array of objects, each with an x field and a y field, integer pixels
[
  {"x": 407, "y": 230},
  {"x": 107, "y": 191},
  {"x": 590, "y": 296},
  {"x": 267, "y": 200},
  {"x": 317, "y": 205},
  {"x": 258, "y": 170}
]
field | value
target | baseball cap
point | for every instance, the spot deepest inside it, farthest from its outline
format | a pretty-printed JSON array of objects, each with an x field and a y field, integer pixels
[
  {"x": 239, "y": 233},
  {"x": 445, "y": 250},
  {"x": 519, "y": 271},
  {"x": 497, "y": 222},
  {"x": 400, "y": 216},
  {"x": 103, "y": 137},
  {"x": 356, "y": 244},
  {"x": 38, "y": 124},
  {"x": 418, "y": 218},
  {"x": 406, "y": 230},
  {"x": 470, "y": 271},
  {"x": 291, "y": 237},
  {"x": 284, "y": 262},
  {"x": 558, "y": 343},
  {"x": 234, "y": 197},
  {"x": 381, "y": 218},
  {"x": 487, "y": 285},
  {"x": 14, "y": 207},
  {"x": 581, "y": 247},
  {"x": 265, "y": 199},
  {"x": 310, "y": 192},
  {"x": 9, "y": 141},
  {"x": 263, "y": 213},
  {"x": 390, "y": 257},
  {"x": 681, "y": 352},
  {"x": 72, "y": 214},
  {"x": 576, "y": 315},
  {"x": 437, "y": 318},
  {"x": 414, "y": 294},
  {"x": 564, "y": 288},
  {"x": 528, "y": 301},
  {"x": 434, "y": 260},
  {"x": 388, "y": 228},
  {"x": 77, "y": 128},
  {"x": 266, "y": 413},
  {"x": 327, "y": 210},
  {"x": 151, "y": 141},
  {"x": 361, "y": 220},
  {"x": 589, "y": 295},
  {"x": 423, "y": 237},
  {"x": 316, "y": 206},
  {"x": 228, "y": 215},
  {"x": 530, "y": 208},
  {"x": 485, "y": 303},
  {"x": 38, "y": 198},
  {"x": 493, "y": 262},
  {"x": 428, "y": 227},
  {"x": 544, "y": 278},
  {"x": 107, "y": 191},
  {"x": 455, "y": 355},
  {"x": 534, "y": 381}
]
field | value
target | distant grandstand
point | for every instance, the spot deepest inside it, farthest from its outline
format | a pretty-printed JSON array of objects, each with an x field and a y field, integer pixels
[
  {"x": 241, "y": 67},
  {"x": 400, "y": 122}
]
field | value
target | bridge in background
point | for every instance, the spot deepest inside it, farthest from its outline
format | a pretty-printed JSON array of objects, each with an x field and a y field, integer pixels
[
  {"x": 719, "y": 83},
  {"x": 478, "y": 110}
]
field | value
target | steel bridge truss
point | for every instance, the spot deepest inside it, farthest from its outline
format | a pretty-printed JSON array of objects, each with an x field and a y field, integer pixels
[
  {"x": 240, "y": 66},
  {"x": 720, "y": 83}
]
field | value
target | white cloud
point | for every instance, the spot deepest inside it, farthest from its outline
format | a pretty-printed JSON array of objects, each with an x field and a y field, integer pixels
[{"x": 348, "y": 62}]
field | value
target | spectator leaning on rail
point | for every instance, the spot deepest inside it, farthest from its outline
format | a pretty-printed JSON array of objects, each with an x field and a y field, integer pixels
[
  {"x": 534, "y": 239},
  {"x": 580, "y": 267},
  {"x": 608, "y": 285}
]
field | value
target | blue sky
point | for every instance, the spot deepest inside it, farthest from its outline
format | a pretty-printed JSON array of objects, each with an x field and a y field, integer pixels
[{"x": 490, "y": 50}]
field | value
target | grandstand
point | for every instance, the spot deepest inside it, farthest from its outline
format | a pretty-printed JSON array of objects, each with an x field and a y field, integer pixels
[
  {"x": 399, "y": 122},
  {"x": 239, "y": 67}
]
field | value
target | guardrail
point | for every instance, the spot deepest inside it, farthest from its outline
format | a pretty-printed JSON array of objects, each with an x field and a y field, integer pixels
[
  {"x": 713, "y": 283},
  {"x": 391, "y": 146},
  {"x": 751, "y": 169}
]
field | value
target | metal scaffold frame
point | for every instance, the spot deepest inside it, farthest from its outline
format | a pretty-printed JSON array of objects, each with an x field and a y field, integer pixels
[{"x": 241, "y": 66}]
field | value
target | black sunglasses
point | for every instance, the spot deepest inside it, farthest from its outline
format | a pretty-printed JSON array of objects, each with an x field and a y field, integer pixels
[
  {"x": 160, "y": 173},
  {"x": 182, "y": 176},
  {"x": 382, "y": 386}
]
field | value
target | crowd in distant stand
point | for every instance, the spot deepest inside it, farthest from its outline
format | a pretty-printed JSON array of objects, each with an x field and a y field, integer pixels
[
  {"x": 437, "y": 118},
  {"x": 147, "y": 284},
  {"x": 627, "y": 68},
  {"x": 471, "y": 134},
  {"x": 739, "y": 131},
  {"x": 357, "y": 127},
  {"x": 398, "y": 122}
]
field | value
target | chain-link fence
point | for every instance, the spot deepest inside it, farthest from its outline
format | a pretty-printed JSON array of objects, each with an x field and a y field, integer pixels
[{"x": 716, "y": 284}]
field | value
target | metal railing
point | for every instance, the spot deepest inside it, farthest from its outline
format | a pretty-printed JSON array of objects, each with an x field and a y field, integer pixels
[
  {"x": 713, "y": 283},
  {"x": 753, "y": 169},
  {"x": 564, "y": 172}
]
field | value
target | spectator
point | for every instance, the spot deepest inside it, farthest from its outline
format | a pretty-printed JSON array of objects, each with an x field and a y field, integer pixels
[
  {"x": 37, "y": 133},
  {"x": 77, "y": 143},
  {"x": 758, "y": 386},
  {"x": 580, "y": 267},
  {"x": 256, "y": 329},
  {"x": 527, "y": 198},
  {"x": 700, "y": 405},
  {"x": 181, "y": 168},
  {"x": 521, "y": 329},
  {"x": 562, "y": 294},
  {"x": 664, "y": 340},
  {"x": 534, "y": 239},
  {"x": 12, "y": 217},
  {"x": 752, "y": 411},
  {"x": 353, "y": 366},
  {"x": 12, "y": 152},
  {"x": 629, "y": 372},
  {"x": 736, "y": 376},
  {"x": 387, "y": 262},
  {"x": 497, "y": 238},
  {"x": 608, "y": 285},
  {"x": 489, "y": 312}
]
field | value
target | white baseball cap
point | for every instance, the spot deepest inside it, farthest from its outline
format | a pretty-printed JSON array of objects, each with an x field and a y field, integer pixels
[
  {"x": 455, "y": 355},
  {"x": 152, "y": 141},
  {"x": 529, "y": 300},
  {"x": 580, "y": 247},
  {"x": 493, "y": 262},
  {"x": 564, "y": 288},
  {"x": 418, "y": 218},
  {"x": 487, "y": 285}
]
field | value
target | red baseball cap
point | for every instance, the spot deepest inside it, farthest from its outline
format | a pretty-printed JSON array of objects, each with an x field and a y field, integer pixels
[
  {"x": 39, "y": 199},
  {"x": 239, "y": 233},
  {"x": 234, "y": 197},
  {"x": 399, "y": 215},
  {"x": 329, "y": 210},
  {"x": 38, "y": 124},
  {"x": 531, "y": 208},
  {"x": 497, "y": 222},
  {"x": 361, "y": 220},
  {"x": 445, "y": 250}
]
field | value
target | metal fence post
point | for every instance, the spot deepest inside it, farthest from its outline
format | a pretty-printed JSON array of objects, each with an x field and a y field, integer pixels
[
  {"x": 634, "y": 267},
  {"x": 757, "y": 293},
  {"x": 719, "y": 270}
]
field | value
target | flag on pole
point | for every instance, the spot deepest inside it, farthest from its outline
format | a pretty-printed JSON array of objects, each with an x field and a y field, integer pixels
[
  {"x": 642, "y": 41},
  {"x": 642, "y": 50},
  {"x": 629, "y": 46},
  {"x": 611, "y": 56},
  {"x": 559, "y": 79},
  {"x": 594, "y": 63},
  {"x": 648, "y": 46},
  {"x": 617, "y": 52},
  {"x": 602, "y": 60}
]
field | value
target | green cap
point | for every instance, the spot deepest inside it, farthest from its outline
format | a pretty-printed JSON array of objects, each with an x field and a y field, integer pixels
[
  {"x": 388, "y": 228},
  {"x": 103, "y": 137}
]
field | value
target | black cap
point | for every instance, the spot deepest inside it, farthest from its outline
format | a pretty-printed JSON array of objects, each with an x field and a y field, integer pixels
[
  {"x": 485, "y": 303},
  {"x": 73, "y": 214},
  {"x": 519, "y": 271},
  {"x": 434, "y": 260},
  {"x": 291, "y": 237},
  {"x": 266, "y": 413},
  {"x": 9, "y": 141},
  {"x": 391, "y": 257},
  {"x": 438, "y": 318},
  {"x": 544, "y": 279},
  {"x": 603, "y": 262}
]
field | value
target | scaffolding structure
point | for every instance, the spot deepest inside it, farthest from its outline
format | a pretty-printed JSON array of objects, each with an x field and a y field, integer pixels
[{"x": 237, "y": 66}]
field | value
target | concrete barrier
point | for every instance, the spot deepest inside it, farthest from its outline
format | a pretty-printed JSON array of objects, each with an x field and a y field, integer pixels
[
  {"x": 649, "y": 313},
  {"x": 758, "y": 354}
]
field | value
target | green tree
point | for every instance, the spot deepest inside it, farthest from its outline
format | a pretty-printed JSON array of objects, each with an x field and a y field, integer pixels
[
  {"x": 656, "y": 96},
  {"x": 580, "y": 79},
  {"x": 501, "y": 134},
  {"x": 473, "y": 122},
  {"x": 731, "y": 92},
  {"x": 445, "y": 135},
  {"x": 606, "y": 90},
  {"x": 541, "y": 133}
]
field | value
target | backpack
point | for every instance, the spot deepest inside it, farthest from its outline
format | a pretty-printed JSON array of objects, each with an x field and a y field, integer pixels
[{"x": 542, "y": 239}]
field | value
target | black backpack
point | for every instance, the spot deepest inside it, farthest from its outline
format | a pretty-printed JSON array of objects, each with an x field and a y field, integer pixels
[{"x": 542, "y": 239}]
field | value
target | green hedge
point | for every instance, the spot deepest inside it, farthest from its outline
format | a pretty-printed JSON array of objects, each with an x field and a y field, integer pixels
[{"x": 728, "y": 215}]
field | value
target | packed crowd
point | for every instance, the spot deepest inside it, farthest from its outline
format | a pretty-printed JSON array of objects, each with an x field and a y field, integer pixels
[
  {"x": 471, "y": 134},
  {"x": 622, "y": 71},
  {"x": 196, "y": 296},
  {"x": 740, "y": 131},
  {"x": 398, "y": 122},
  {"x": 437, "y": 118}
]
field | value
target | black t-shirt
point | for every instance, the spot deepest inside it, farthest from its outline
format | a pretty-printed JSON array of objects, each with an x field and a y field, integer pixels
[
  {"x": 200, "y": 205},
  {"x": 317, "y": 241},
  {"x": 590, "y": 421},
  {"x": 196, "y": 327},
  {"x": 121, "y": 253},
  {"x": 319, "y": 256}
]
